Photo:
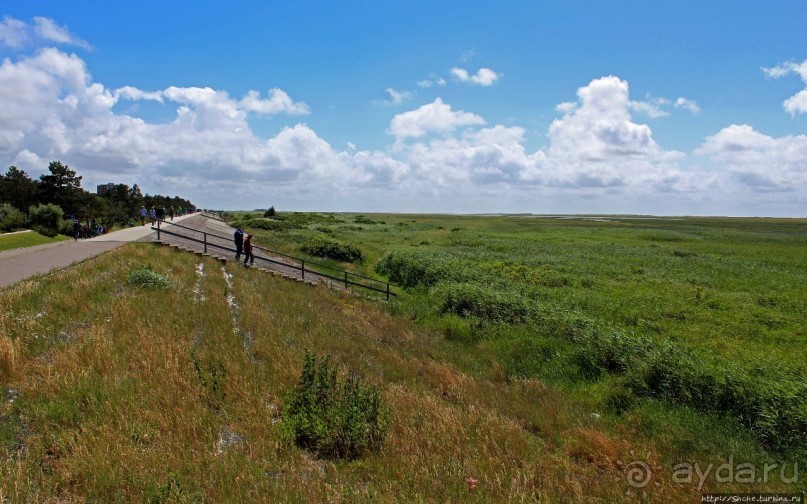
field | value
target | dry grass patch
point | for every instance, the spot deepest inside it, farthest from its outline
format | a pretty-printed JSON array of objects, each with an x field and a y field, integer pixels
[{"x": 176, "y": 396}]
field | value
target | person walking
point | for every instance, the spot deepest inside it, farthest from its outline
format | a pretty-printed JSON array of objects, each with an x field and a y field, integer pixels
[
  {"x": 238, "y": 238},
  {"x": 248, "y": 251},
  {"x": 143, "y": 214},
  {"x": 171, "y": 212},
  {"x": 76, "y": 229},
  {"x": 153, "y": 216}
]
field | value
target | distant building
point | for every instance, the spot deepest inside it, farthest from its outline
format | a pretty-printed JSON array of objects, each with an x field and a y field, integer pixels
[{"x": 105, "y": 188}]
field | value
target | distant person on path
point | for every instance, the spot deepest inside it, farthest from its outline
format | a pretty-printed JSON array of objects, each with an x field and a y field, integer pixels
[
  {"x": 143, "y": 214},
  {"x": 248, "y": 251},
  {"x": 238, "y": 238},
  {"x": 153, "y": 216},
  {"x": 76, "y": 229},
  {"x": 171, "y": 212}
]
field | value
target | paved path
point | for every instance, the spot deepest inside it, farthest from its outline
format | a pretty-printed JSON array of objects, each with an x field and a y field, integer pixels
[
  {"x": 19, "y": 264},
  {"x": 220, "y": 244}
]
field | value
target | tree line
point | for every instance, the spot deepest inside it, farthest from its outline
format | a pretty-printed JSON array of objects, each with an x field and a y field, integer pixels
[{"x": 58, "y": 195}]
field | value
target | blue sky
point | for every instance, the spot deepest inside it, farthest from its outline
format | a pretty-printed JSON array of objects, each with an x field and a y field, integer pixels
[{"x": 568, "y": 107}]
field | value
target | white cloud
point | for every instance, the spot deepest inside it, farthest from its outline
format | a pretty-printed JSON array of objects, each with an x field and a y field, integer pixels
[
  {"x": 433, "y": 80},
  {"x": 277, "y": 102},
  {"x": 397, "y": 97},
  {"x": 433, "y": 117},
  {"x": 597, "y": 144},
  {"x": 16, "y": 34},
  {"x": 47, "y": 29},
  {"x": 796, "y": 104},
  {"x": 687, "y": 104},
  {"x": 13, "y": 32},
  {"x": 134, "y": 94},
  {"x": 598, "y": 157},
  {"x": 652, "y": 107},
  {"x": 483, "y": 77},
  {"x": 758, "y": 161}
]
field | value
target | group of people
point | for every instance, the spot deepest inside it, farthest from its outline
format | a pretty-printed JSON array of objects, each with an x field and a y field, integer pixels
[
  {"x": 243, "y": 245},
  {"x": 159, "y": 213},
  {"x": 87, "y": 231}
]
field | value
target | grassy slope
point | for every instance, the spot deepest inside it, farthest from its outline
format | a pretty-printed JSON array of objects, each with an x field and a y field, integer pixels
[
  {"x": 20, "y": 240},
  {"x": 128, "y": 395},
  {"x": 731, "y": 290}
]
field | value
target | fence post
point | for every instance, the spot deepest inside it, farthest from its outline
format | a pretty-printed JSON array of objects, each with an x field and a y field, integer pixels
[
  {"x": 303, "y": 269},
  {"x": 205, "y": 242},
  {"x": 158, "y": 230},
  {"x": 345, "y": 279}
]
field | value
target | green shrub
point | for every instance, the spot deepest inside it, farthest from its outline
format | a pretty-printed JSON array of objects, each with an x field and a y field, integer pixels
[
  {"x": 482, "y": 301},
  {"x": 45, "y": 219},
  {"x": 331, "y": 249},
  {"x": 146, "y": 278},
  {"x": 271, "y": 212},
  {"x": 11, "y": 219},
  {"x": 456, "y": 328},
  {"x": 66, "y": 227},
  {"x": 413, "y": 268},
  {"x": 268, "y": 224},
  {"x": 334, "y": 417},
  {"x": 360, "y": 219}
]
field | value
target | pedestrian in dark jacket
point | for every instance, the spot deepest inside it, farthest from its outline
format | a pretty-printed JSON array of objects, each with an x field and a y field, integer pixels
[
  {"x": 248, "y": 250},
  {"x": 76, "y": 229},
  {"x": 238, "y": 238}
]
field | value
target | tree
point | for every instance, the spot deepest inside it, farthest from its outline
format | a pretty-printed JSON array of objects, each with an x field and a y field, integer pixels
[
  {"x": 45, "y": 219},
  {"x": 17, "y": 189},
  {"x": 62, "y": 187}
]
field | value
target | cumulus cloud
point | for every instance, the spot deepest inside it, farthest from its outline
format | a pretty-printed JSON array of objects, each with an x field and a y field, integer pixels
[
  {"x": 796, "y": 104},
  {"x": 16, "y": 34},
  {"x": 599, "y": 157},
  {"x": 277, "y": 102},
  {"x": 432, "y": 117},
  {"x": 483, "y": 77},
  {"x": 597, "y": 144},
  {"x": 757, "y": 161}
]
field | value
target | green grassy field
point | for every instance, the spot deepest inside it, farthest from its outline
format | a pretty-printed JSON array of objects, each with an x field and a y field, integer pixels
[
  {"x": 12, "y": 241},
  {"x": 543, "y": 358},
  {"x": 706, "y": 313}
]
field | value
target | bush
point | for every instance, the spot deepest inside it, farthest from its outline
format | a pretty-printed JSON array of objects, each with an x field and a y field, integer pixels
[
  {"x": 333, "y": 417},
  {"x": 325, "y": 247},
  {"x": 146, "y": 278},
  {"x": 360, "y": 219},
  {"x": 45, "y": 219},
  {"x": 11, "y": 219},
  {"x": 66, "y": 227},
  {"x": 410, "y": 268},
  {"x": 271, "y": 212},
  {"x": 269, "y": 224},
  {"x": 484, "y": 302}
]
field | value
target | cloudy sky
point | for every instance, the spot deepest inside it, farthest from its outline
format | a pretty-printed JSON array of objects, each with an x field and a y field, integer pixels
[{"x": 417, "y": 106}]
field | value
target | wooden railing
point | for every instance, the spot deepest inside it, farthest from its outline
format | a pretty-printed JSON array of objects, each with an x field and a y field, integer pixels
[{"x": 344, "y": 277}]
